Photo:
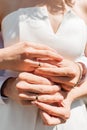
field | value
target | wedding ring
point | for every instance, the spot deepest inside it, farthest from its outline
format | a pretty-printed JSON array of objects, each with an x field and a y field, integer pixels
[
  {"x": 36, "y": 97},
  {"x": 39, "y": 64}
]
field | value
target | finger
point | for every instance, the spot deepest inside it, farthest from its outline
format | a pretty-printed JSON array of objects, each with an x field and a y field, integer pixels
[
  {"x": 50, "y": 120},
  {"x": 27, "y": 96},
  {"x": 48, "y": 60},
  {"x": 41, "y": 46},
  {"x": 49, "y": 99},
  {"x": 43, "y": 89},
  {"x": 42, "y": 64},
  {"x": 31, "y": 78},
  {"x": 55, "y": 71},
  {"x": 43, "y": 53},
  {"x": 31, "y": 63},
  {"x": 64, "y": 80},
  {"x": 21, "y": 66},
  {"x": 42, "y": 98},
  {"x": 53, "y": 110},
  {"x": 35, "y": 46}
]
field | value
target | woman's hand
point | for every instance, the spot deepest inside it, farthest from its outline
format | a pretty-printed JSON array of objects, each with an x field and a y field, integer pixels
[
  {"x": 65, "y": 72},
  {"x": 54, "y": 114},
  {"x": 27, "y": 86},
  {"x": 58, "y": 113},
  {"x": 22, "y": 56}
]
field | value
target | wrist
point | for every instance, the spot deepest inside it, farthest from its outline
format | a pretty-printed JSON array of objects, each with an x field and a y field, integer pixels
[
  {"x": 74, "y": 94},
  {"x": 70, "y": 97},
  {"x": 83, "y": 67},
  {"x": 82, "y": 73}
]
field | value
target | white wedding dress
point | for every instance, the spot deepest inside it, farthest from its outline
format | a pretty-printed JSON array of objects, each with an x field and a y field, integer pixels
[{"x": 32, "y": 24}]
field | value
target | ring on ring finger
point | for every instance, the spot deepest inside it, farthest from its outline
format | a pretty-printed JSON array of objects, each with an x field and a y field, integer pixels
[
  {"x": 36, "y": 97},
  {"x": 39, "y": 64}
]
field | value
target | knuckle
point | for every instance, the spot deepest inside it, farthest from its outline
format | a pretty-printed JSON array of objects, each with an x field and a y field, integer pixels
[
  {"x": 17, "y": 85},
  {"x": 66, "y": 115},
  {"x": 56, "y": 88},
  {"x": 75, "y": 83},
  {"x": 49, "y": 123},
  {"x": 71, "y": 72},
  {"x": 21, "y": 75},
  {"x": 20, "y": 85},
  {"x": 47, "y": 53},
  {"x": 20, "y": 96},
  {"x": 72, "y": 84},
  {"x": 25, "y": 44}
]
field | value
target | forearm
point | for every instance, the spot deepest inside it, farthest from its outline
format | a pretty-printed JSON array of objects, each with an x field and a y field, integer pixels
[
  {"x": 5, "y": 57},
  {"x": 78, "y": 92}
]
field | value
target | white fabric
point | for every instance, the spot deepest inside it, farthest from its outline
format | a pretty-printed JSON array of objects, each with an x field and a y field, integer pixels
[
  {"x": 32, "y": 24},
  {"x": 82, "y": 59}
]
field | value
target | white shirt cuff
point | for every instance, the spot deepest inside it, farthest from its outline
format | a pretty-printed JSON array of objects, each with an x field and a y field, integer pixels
[{"x": 82, "y": 59}]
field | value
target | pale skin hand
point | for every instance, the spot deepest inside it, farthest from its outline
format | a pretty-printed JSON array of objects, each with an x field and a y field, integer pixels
[
  {"x": 19, "y": 93},
  {"x": 54, "y": 114},
  {"x": 22, "y": 56},
  {"x": 60, "y": 112},
  {"x": 24, "y": 89},
  {"x": 51, "y": 115},
  {"x": 65, "y": 72},
  {"x": 5, "y": 8}
]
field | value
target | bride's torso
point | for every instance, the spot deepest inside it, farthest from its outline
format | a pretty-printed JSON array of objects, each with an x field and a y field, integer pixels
[
  {"x": 6, "y": 7},
  {"x": 33, "y": 25}
]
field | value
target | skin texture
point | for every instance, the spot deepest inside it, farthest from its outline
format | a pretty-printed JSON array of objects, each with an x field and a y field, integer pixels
[
  {"x": 54, "y": 104},
  {"x": 25, "y": 55}
]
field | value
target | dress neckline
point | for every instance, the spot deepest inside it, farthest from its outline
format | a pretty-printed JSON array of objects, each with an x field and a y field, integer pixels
[{"x": 44, "y": 11}]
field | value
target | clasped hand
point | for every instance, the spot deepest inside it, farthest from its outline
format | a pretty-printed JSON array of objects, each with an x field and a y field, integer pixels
[
  {"x": 50, "y": 101},
  {"x": 42, "y": 80}
]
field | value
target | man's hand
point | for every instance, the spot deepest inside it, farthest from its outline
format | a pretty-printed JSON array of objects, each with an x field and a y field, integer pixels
[
  {"x": 23, "y": 56},
  {"x": 65, "y": 72},
  {"x": 54, "y": 114},
  {"x": 27, "y": 86}
]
